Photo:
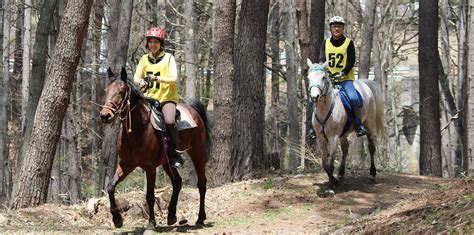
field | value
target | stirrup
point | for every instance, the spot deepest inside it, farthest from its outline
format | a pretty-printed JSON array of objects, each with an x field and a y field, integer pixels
[{"x": 176, "y": 161}]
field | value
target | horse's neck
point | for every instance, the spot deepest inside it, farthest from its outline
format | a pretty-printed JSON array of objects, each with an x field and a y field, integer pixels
[
  {"x": 326, "y": 102},
  {"x": 139, "y": 116}
]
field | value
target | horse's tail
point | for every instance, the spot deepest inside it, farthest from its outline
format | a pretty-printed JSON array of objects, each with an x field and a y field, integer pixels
[
  {"x": 199, "y": 107},
  {"x": 379, "y": 109}
]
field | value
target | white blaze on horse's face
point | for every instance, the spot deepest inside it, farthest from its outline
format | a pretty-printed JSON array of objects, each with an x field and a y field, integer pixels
[{"x": 318, "y": 87}]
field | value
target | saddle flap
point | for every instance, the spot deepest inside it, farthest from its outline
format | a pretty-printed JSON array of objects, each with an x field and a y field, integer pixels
[{"x": 184, "y": 120}]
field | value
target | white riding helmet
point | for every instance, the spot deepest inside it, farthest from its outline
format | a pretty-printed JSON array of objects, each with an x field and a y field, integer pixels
[{"x": 337, "y": 19}]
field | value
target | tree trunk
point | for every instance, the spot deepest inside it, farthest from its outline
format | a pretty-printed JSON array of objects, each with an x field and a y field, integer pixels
[
  {"x": 470, "y": 114},
  {"x": 18, "y": 61},
  {"x": 430, "y": 139},
  {"x": 190, "y": 50},
  {"x": 288, "y": 36},
  {"x": 151, "y": 6},
  {"x": 249, "y": 94},
  {"x": 95, "y": 84},
  {"x": 36, "y": 169},
  {"x": 36, "y": 82},
  {"x": 367, "y": 38},
  {"x": 463, "y": 82},
  {"x": 25, "y": 82},
  {"x": 223, "y": 51},
  {"x": 274, "y": 152},
  {"x": 5, "y": 30},
  {"x": 121, "y": 15},
  {"x": 316, "y": 37}
]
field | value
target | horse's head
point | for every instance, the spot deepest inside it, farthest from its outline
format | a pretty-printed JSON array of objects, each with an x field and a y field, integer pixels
[
  {"x": 319, "y": 85},
  {"x": 117, "y": 95}
]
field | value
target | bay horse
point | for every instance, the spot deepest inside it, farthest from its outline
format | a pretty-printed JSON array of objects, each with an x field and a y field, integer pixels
[
  {"x": 140, "y": 145},
  {"x": 330, "y": 118}
]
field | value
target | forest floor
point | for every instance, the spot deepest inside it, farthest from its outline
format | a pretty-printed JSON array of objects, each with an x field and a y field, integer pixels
[{"x": 277, "y": 204}]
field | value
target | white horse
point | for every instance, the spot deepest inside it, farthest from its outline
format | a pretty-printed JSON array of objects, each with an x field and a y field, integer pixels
[{"x": 330, "y": 117}]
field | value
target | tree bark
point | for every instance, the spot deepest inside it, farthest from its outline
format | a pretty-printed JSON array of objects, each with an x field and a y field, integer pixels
[
  {"x": 36, "y": 83},
  {"x": 151, "y": 6},
  {"x": 430, "y": 139},
  {"x": 5, "y": 30},
  {"x": 288, "y": 36},
  {"x": 18, "y": 61},
  {"x": 25, "y": 81},
  {"x": 36, "y": 169},
  {"x": 249, "y": 94},
  {"x": 190, "y": 50},
  {"x": 470, "y": 114},
  {"x": 95, "y": 85},
  {"x": 463, "y": 82},
  {"x": 367, "y": 38},
  {"x": 274, "y": 152},
  {"x": 223, "y": 51}
]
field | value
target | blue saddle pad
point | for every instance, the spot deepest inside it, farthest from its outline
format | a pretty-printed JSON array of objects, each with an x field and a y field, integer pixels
[{"x": 346, "y": 102}]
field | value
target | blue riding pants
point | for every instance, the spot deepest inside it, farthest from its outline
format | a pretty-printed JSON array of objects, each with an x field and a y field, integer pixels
[{"x": 352, "y": 96}]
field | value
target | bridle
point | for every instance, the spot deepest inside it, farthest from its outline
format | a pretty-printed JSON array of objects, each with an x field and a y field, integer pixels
[
  {"x": 121, "y": 108},
  {"x": 323, "y": 89}
]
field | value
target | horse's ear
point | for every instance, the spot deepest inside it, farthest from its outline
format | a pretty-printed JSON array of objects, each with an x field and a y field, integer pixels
[
  {"x": 123, "y": 74},
  {"x": 325, "y": 65},
  {"x": 310, "y": 64},
  {"x": 110, "y": 73}
]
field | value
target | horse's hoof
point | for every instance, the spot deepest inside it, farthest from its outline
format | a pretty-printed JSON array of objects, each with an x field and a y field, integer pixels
[
  {"x": 151, "y": 225},
  {"x": 334, "y": 182},
  {"x": 372, "y": 179},
  {"x": 200, "y": 222},
  {"x": 183, "y": 222},
  {"x": 118, "y": 221},
  {"x": 340, "y": 179},
  {"x": 172, "y": 220}
]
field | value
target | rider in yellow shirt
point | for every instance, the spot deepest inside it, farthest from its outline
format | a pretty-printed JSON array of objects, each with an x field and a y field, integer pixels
[
  {"x": 156, "y": 75},
  {"x": 339, "y": 52}
]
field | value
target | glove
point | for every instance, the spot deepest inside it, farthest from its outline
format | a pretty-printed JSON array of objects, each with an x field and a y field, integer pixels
[
  {"x": 143, "y": 85},
  {"x": 338, "y": 76}
]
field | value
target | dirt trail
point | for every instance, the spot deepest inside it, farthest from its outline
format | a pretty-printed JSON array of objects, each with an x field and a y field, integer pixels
[{"x": 277, "y": 204}]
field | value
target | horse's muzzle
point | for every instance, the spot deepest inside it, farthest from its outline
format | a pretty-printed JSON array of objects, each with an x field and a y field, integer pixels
[
  {"x": 314, "y": 94},
  {"x": 106, "y": 117}
]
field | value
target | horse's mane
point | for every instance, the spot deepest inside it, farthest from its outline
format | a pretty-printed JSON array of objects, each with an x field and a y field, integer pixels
[{"x": 134, "y": 89}]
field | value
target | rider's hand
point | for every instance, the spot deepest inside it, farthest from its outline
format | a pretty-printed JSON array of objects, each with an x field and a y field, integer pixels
[
  {"x": 338, "y": 76},
  {"x": 155, "y": 78},
  {"x": 143, "y": 85}
]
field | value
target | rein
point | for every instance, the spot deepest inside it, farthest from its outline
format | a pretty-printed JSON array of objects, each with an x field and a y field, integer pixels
[
  {"x": 324, "y": 92},
  {"x": 323, "y": 122}
]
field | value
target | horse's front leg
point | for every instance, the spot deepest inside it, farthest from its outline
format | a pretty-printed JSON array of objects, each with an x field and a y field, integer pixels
[
  {"x": 177, "y": 182},
  {"x": 328, "y": 163},
  {"x": 150, "y": 196},
  {"x": 342, "y": 166},
  {"x": 120, "y": 174},
  {"x": 373, "y": 170}
]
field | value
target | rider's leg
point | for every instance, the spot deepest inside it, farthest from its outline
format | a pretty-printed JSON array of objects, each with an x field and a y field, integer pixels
[
  {"x": 356, "y": 103},
  {"x": 169, "y": 112}
]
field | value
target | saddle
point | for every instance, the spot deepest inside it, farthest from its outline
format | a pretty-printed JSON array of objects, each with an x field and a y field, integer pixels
[{"x": 183, "y": 118}]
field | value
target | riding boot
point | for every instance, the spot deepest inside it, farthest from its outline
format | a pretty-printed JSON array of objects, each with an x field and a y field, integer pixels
[
  {"x": 361, "y": 130},
  {"x": 174, "y": 157},
  {"x": 311, "y": 133}
]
